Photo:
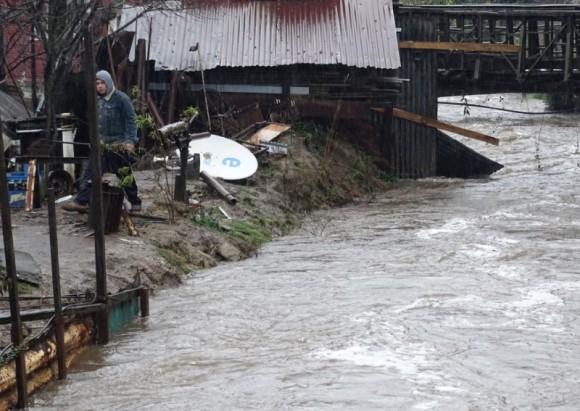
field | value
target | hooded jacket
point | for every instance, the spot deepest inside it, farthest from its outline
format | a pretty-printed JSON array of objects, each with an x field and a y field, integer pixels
[{"x": 117, "y": 119}]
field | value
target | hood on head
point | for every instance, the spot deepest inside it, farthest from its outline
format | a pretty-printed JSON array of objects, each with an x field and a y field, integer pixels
[{"x": 104, "y": 76}]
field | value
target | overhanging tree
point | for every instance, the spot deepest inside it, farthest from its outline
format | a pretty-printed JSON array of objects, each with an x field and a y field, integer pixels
[{"x": 59, "y": 26}]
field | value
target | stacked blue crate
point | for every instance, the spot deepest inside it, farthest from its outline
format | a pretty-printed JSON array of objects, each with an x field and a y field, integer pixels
[{"x": 17, "y": 187}]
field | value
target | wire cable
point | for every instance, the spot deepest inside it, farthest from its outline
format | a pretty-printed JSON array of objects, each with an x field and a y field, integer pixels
[{"x": 450, "y": 103}]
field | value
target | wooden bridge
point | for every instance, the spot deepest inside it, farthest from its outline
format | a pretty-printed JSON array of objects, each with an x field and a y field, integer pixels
[
  {"x": 497, "y": 48},
  {"x": 474, "y": 49}
]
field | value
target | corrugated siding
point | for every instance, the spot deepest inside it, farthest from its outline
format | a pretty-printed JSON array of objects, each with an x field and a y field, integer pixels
[
  {"x": 359, "y": 33},
  {"x": 11, "y": 109}
]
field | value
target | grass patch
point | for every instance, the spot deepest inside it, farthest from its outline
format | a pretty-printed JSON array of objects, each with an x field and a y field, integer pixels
[
  {"x": 315, "y": 135},
  {"x": 250, "y": 232},
  {"x": 208, "y": 219},
  {"x": 175, "y": 260},
  {"x": 255, "y": 231}
]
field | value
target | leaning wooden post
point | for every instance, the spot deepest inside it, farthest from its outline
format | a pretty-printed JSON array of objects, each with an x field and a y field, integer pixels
[
  {"x": 58, "y": 320},
  {"x": 12, "y": 280},
  {"x": 97, "y": 188},
  {"x": 144, "y": 301}
]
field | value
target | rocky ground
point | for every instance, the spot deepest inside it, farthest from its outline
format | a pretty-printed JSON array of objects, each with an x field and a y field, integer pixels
[{"x": 318, "y": 172}]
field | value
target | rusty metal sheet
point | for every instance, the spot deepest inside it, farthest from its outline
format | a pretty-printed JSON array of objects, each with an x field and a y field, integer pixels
[{"x": 248, "y": 33}]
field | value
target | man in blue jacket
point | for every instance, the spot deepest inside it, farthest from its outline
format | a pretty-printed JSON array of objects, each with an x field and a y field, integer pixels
[{"x": 118, "y": 134}]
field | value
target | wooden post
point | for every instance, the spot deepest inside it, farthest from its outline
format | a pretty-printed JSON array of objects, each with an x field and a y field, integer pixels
[
  {"x": 33, "y": 83},
  {"x": 140, "y": 59},
  {"x": 568, "y": 50},
  {"x": 172, "y": 97},
  {"x": 144, "y": 301},
  {"x": 181, "y": 179},
  {"x": 12, "y": 279},
  {"x": 97, "y": 188},
  {"x": 522, "y": 54},
  {"x": 510, "y": 35},
  {"x": 196, "y": 166},
  {"x": 533, "y": 37},
  {"x": 58, "y": 320},
  {"x": 112, "y": 62},
  {"x": 154, "y": 112}
]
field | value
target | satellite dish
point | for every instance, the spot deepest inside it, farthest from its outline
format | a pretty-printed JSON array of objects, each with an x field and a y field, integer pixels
[{"x": 223, "y": 158}]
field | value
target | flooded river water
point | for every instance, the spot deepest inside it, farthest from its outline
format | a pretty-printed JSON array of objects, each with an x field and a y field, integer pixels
[{"x": 438, "y": 295}]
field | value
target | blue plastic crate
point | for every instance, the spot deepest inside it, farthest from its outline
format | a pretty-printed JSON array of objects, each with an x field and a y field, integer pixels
[{"x": 17, "y": 187}]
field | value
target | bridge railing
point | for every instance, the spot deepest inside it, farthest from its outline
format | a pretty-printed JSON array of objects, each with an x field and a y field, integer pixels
[{"x": 498, "y": 47}]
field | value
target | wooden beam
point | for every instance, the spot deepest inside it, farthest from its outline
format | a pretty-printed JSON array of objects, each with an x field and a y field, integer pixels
[
  {"x": 454, "y": 46},
  {"x": 430, "y": 122}
]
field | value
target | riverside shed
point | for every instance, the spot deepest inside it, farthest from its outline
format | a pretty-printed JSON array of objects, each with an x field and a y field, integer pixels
[{"x": 312, "y": 52}]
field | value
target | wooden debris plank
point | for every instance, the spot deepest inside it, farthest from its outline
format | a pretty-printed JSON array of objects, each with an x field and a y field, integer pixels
[
  {"x": 30, "y": 185},
  {"x": 430, "y": 122},
  {"x": 467, "y": 47},
  {"x": 268, "y": 133}
]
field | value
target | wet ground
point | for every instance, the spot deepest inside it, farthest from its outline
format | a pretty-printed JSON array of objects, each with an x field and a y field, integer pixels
[{"x": 439, "y": 295}]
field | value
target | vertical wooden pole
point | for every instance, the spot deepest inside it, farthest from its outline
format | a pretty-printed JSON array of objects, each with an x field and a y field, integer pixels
[
  {"x": 33, "y": 83},
  {"x": 196, "y": 166},
  {"x": 144, "y": 301},
  {"x": 510, "y": 35},
  {"x": 97, "y": 188},
  {"x": 522, "y": 55},
  {"x": 140, "y": 58},
  {"x": 181, "y": 182},
  {"x": 568, "y": 51},
  {"x": 172, "y": 97},
  {"x": 59, "y": 323},
  {"x": 112, "y": 62},
  {"x": 533, "y": 37},
  {"x": 12, "y": 280}
]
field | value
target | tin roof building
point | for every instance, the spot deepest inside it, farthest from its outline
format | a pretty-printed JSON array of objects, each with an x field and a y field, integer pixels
[{"x": 268, "y": 33}]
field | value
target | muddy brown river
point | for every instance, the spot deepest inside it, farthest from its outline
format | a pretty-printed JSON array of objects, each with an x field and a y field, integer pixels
[{"x": 438, "y": 295}]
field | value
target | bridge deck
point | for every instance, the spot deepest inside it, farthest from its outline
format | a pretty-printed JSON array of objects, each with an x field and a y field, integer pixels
[{"x": 544, "y": 39}]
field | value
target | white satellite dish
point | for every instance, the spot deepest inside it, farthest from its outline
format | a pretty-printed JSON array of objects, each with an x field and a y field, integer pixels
[{"x": 223, "y": 158}]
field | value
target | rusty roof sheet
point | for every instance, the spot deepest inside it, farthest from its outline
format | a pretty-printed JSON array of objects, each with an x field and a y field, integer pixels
[{"x": 266, "y": 33}]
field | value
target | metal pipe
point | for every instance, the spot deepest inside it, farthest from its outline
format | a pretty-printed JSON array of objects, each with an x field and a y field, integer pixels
[
  {"x": 36, "y": 315},
  {"x": 97, "y": 188},
  {"x": 213, "y": 183},
  {"x": 172, "y": 129},
  {"x": 58, "y": 320},
  {"x": 11, "y": 278}
]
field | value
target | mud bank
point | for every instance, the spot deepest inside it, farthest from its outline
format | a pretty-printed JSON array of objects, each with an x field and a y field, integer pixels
[{"x": 318, "y": 172}]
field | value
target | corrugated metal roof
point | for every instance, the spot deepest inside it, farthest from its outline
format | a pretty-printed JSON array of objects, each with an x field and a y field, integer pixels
[
  {"x": 11, "y": 109},
  {"x": 247, "y": 33}
]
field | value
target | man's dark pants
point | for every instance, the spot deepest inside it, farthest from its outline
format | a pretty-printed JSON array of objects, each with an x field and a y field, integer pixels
[{"x": 111, "y": 162}]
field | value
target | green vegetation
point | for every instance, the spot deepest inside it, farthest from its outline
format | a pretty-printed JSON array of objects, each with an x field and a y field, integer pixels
[
  {"x": 175, "y": 260},
  {"x": 255, "y": 230},
  {"x": 249, "y": 231},
  {"x": 209, "y": 219},
  {"x": 189, "y": 112},
  {"x": 126, "y": 176},
  {"x": 315, "y": 135}
]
